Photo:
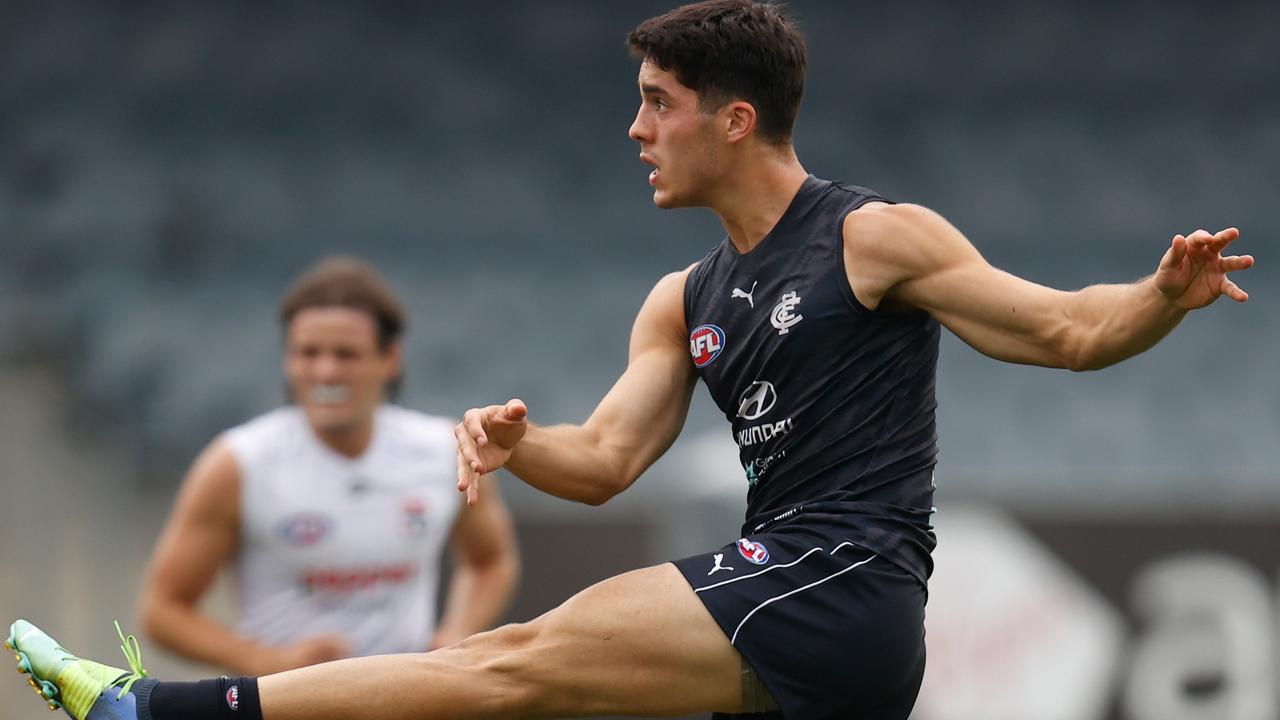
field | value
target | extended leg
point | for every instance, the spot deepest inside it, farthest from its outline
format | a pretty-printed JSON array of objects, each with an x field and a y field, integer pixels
[{"x": 640, "y": 643}]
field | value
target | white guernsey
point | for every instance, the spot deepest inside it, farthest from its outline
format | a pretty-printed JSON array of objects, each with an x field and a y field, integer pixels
[{"x": 331, "y": 544}]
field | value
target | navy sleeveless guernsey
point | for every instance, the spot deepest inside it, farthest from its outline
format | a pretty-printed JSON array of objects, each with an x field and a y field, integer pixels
[{"x": 832, "y": 404}]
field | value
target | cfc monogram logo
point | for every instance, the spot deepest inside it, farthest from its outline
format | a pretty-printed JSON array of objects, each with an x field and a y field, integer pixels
[{"x": 782, "y": 316}]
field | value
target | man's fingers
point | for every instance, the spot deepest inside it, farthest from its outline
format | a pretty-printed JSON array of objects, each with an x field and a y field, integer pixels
[
  {"x": 468, "y": 480},
  {"x": 515, "y": 410},
  {"x": 466, "y": 445},
  {"x": 1223, "y": 238},
  {"x": 1233, "y": 263},
  {"x": 1199, "y": 239},
  {"x": 473, "y": 421},
  {"x": 467, "y": 451},
  {"x": 1233, "y": 291},
  {"x": 1203, "y": 240},
  {"x": 1177, "y": 251},
  {"x": 466, "y": 468},
  {"x": 1201, "y": 251},
  {"x": 464, "y": 473}
]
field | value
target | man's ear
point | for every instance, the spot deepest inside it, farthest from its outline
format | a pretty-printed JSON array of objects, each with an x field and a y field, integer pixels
[
  {"x": 740, "y": 117},
  {"x": 394, "y": 356}
]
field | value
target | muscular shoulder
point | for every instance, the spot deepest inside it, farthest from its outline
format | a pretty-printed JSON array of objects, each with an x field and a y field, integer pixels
[
  {"x": 884, "y": 212},
  {"x": 666, "y": 299},
  {"x": 661, "y": 319},
  {"x": 673, "y": 283},
  {"x": 885, "y": 245},
  {"x": 880, "y": 230}
]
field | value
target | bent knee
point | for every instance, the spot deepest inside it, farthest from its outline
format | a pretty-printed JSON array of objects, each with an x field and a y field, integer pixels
[
  {"x": 507, "y": 662},
  {"x": 512, "y": 636}
]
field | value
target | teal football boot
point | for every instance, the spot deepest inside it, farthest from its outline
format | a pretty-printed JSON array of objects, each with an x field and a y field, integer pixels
[{"x": 86, "y": 690}]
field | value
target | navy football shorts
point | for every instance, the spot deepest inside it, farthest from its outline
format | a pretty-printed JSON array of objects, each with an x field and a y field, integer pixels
[{"x": 831, "y": 630}]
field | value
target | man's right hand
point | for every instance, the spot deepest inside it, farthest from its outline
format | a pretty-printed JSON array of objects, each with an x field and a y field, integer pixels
[
  {"x": 310, "y": 651},
  {"x": 486, "y": 437}
]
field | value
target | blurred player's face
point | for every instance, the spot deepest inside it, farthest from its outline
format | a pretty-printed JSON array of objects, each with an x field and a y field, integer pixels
[
  {"x": 676, "y": 138},
  {"x": 335, "y": 369}
]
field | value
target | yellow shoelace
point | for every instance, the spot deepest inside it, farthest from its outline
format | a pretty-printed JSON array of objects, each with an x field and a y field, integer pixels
[{"x": 133, "y": 654}]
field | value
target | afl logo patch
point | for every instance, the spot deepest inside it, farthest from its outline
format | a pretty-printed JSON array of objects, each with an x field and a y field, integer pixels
[
  {"x": 705, "y": 344},
  {"x": 754, "y": 552},
  {"x": 303, "y": 529},
  {"x": 233, "y": 697}
]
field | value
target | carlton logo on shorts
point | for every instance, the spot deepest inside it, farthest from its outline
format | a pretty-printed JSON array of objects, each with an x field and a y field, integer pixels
[
  {"x": 233, "y": 697},
  {"x": 754, "y": 552},
  {"x": 705, "y": 344}
]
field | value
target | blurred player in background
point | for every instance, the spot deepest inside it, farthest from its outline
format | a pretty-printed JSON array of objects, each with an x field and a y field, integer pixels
[
  {"x": 815, "y": 325},
  {"x": 334, "y": 510}
]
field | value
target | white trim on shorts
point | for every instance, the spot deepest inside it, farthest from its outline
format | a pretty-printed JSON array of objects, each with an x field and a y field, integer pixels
[
  {"x": 754, "y": 574},
  {"x": 715, "y": 585},
  {"x": 815, "y": 583}
]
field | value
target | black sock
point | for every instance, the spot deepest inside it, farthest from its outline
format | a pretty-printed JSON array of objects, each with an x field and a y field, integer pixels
[{"x": 222, "y": 699}]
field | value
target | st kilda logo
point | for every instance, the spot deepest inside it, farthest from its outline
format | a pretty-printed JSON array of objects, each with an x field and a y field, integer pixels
[{"x": 705, "y": 344}]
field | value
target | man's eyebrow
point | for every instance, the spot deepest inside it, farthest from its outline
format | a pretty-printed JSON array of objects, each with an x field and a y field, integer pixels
[{"x": 651, "y": 89}]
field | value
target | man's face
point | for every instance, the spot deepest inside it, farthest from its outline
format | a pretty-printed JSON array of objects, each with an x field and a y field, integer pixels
[
  {"x": 676, "y": 138},
  {"x": 335, "y": 369}
]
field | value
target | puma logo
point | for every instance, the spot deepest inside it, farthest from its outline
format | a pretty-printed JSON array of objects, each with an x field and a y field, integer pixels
[
  {"x": 737, "y": 293},
  {"x": 719, "y": 558}
]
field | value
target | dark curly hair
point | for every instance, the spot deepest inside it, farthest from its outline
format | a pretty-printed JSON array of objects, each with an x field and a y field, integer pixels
[{"x": 731, "y": 49}]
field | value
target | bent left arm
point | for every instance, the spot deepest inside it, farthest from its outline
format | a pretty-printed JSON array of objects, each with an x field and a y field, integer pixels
[
  {"x": 904, "y": 254},
  {"x": 486, "y": 569}
]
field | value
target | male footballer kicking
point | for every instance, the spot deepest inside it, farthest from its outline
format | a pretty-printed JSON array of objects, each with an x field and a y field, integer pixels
[{"x": 814, "y": 325}]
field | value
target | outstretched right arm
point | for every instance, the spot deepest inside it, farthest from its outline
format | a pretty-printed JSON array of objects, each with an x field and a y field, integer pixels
[{"x": 631, "y": 427}]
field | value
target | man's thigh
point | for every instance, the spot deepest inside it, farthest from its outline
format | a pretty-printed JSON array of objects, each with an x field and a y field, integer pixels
[
  {"x": 640, "y": 643},
  {"x": 636, "y": 644}
]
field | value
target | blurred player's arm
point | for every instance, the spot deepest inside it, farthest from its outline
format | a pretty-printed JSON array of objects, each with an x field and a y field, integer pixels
[
  {"x": 631, "y": 427},
  {"x": 202, "y": 533},
  {"x": 907, "y": 255},
  {"x": 486, "y": 568}
]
